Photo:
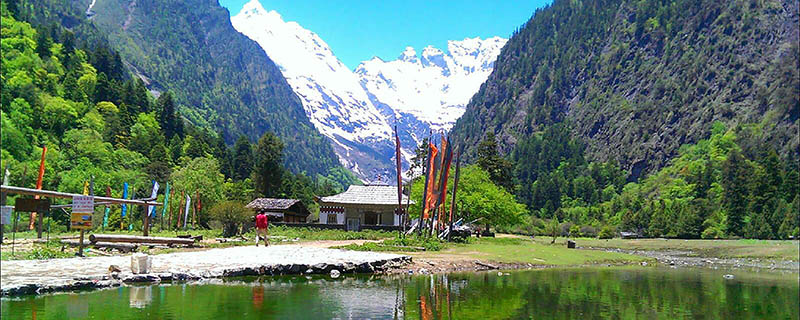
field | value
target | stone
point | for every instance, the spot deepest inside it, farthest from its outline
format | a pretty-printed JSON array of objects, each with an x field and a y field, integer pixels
[
  {"x": 141, "y": 263},
  {"x": 114, "y": 268},
  {"x": 335, "y": 273}
]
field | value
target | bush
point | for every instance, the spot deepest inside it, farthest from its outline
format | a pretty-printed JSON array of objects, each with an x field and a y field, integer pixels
[
  {"x": 232, "y": 215},
  {"x": 575, "y": 230},
  {"x": 607, "y": 232},
  {"x": 588, "y": 231}
]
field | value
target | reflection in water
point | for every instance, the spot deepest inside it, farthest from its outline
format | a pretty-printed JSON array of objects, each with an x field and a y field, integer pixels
[
  {"x": 140, "y": 297},
  {"x": 258, "y": 296},
  {"x": 621, "y": 293}
]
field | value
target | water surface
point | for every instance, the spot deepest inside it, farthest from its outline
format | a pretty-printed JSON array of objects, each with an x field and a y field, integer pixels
[{"x": 597, "y": 293}]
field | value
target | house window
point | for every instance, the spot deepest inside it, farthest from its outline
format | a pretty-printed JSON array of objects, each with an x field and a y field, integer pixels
[
  {"x": 331, "y": 218},
  {"x": 370, "y": 218}
]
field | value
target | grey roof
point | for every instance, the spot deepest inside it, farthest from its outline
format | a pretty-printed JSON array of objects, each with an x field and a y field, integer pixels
[
  {"x": 376, "y": 195},
  {"x": 271, "y": 204}
]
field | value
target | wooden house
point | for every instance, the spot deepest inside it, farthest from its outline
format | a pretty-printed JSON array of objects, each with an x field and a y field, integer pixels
[
  {"x": 281, "y": 210},
  {"x": 362, "y": 207}
]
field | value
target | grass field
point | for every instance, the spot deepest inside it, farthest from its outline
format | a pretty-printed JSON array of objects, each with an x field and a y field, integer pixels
[
  {"x": 745, "y": 248},
  {"x": 517, "y": 250}
]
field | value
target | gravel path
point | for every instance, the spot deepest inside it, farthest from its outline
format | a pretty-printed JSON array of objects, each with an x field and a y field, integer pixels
[{"x": 39, "y": 276}]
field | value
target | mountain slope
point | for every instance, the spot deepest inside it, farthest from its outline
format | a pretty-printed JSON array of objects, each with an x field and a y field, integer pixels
[
  {"x": 221, "y": 79},
  {"x": 332, "y": 96},
  {"x": 356, "y": 110},
  {"x": 636, "y": 80}
]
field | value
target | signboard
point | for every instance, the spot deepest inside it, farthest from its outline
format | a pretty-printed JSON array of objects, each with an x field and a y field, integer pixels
[
  {"x": 83, "y": 204},
  {"x": 82, "y": 210},
  {"x": 5, "y": 215},
  {"x": 32, "y": 205}
]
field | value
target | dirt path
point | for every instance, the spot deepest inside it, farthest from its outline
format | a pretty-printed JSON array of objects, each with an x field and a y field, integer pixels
[
  {"x": 332, "y": 243},
  {"x": 39, "y": 276}
]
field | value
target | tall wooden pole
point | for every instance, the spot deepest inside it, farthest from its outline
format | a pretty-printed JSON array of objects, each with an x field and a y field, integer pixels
[
  {"x": 39, "y": 187},
  {"x": 453, "y": 198},
  {"x": 195, "y": 207},
  {"x": 169, "y": 209}
]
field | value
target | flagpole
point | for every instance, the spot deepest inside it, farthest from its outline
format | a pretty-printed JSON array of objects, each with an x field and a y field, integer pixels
[
  {"x": 425, "y": 171},
  {"x": 455, "y": 188}
]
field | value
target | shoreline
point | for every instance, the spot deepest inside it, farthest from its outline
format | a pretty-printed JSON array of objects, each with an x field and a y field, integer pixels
[{"x": 33, "y": 277}]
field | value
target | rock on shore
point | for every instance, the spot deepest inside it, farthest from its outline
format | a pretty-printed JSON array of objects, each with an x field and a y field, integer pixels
[{"x": 22, "y": 277}]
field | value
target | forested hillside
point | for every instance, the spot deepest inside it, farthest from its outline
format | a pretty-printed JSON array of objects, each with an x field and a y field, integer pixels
[
  {"x": 635, "y": 80},
  {"x": 219, "y": 78},
  {"x": 100, "y": 125},
  {"x": 665, "y": 118}
]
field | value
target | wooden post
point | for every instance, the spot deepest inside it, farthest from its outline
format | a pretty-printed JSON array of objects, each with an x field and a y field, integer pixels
[
  {"x": 80, "y": 245},
  {"x": 40, "y": 218},
  {"x": 169, "y": 210},
  {"x": 180, "y": 211},
  {"x": 194, "y": 208},
  {"x": 146, "y": 223}
]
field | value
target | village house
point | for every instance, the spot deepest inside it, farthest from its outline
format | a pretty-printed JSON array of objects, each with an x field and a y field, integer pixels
[
  {"x": 362, "y": 207},
  {"x": 280, "y": 210}
]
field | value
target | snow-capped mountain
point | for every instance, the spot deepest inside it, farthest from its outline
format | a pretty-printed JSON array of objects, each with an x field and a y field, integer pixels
[
  {"x": 357, "y": 110},
  {"x": 435, "y": 87},
  {"x": 332, "y": 96}
]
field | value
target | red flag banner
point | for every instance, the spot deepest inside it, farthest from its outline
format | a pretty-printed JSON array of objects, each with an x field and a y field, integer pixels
[
  {"x": 430, "y": 197},
  {"x": 399, "y": 170}
]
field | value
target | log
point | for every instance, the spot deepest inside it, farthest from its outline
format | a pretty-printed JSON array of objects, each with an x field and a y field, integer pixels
[
  {"x": 124, "y": 247},
  {"x": 137, "y": 239},
  {"x": 486, "y": 265},
  {"x": 402, "y": 247}
]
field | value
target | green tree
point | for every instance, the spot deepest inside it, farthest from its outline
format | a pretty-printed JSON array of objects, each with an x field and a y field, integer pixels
[
  {"x": 268, "y": 166},
  {"x": 489, "y": 160},
  {"x": 242, "y": 159},
  {"x": 735, "y": 183},
  {"x": 166, "y": 114},
  {"x": 232, "y": 215}
]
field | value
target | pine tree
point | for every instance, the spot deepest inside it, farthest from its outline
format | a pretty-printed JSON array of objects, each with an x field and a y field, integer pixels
[
  {"x": 43, "y": 44},
  {"x": 242, "y": 158},
  {"x": 166, "y": 114},
  {"x": 489, "y": 159},
  {"x": 735, "y": 183},
  {"x": 268, "y": 166}
]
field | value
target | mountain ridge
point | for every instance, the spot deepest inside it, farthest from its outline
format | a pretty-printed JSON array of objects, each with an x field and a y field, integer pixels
[
  {"x": 356, "y": 113},
  {"x": 638, "y": 81}
]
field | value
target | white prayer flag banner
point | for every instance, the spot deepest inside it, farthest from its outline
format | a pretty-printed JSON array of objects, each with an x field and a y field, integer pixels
[
  {"x": 83, "y": 204},
  {"x": 5, "y": 215},
  {"x": 188, "y": 205},
  {"x": 151, "y": 209}
]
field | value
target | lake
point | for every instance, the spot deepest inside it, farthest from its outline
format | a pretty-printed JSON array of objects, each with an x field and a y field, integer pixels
[{"x": 586, "y": 293}]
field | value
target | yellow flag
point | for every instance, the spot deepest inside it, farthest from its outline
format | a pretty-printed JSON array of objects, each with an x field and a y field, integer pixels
[{"x": 86, "y": 188}]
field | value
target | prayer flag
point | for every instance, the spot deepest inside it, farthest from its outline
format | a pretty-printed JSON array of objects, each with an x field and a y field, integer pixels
[
  {"x": 151, "y": 210},
  {"x": 124, "y": 196}
]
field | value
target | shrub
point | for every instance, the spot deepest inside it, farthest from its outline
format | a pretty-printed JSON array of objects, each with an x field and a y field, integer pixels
[
  {"x": 232, "y": 215},
  {"x": 606, "y": 233},
  {"x": 575, "y": 230},
  {"x": 588, "y": 231}
]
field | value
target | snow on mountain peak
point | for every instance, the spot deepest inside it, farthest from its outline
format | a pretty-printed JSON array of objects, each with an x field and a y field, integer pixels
[
  {"x": 253, "y": 7},
  {"x": 332, "y": 96},
  {"x": 356, "y": 109},
  {"x": 409, "y": 55},
  {"x": 436, "y": 89}
]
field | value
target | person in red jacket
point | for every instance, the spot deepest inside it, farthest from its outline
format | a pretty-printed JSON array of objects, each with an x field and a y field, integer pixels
[{"x": 262, "y": 229}]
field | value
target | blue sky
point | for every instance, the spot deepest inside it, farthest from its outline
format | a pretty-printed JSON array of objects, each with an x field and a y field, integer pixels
[{"x": 357, "y": 30}]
